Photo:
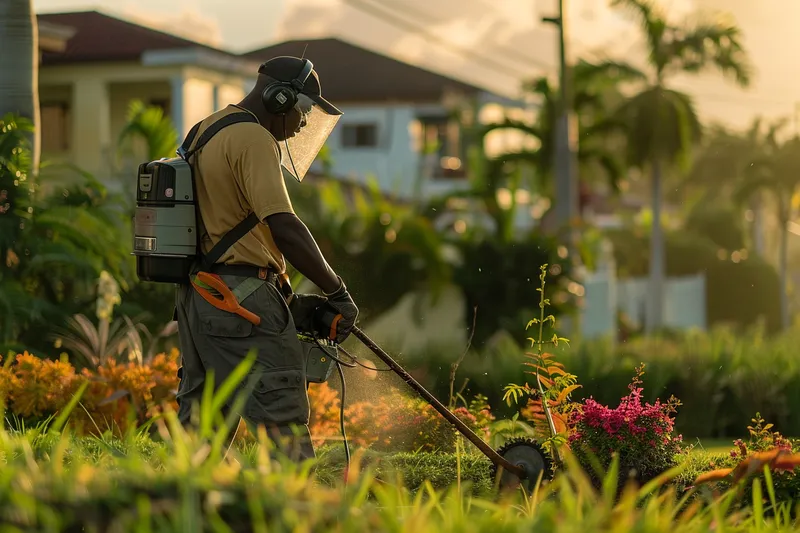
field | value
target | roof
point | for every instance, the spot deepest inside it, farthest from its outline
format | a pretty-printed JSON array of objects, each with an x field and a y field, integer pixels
[
  {"x": 350, "y": 73},
  {"x": 54, "y": 37},
  {"x": 102, "y": 37}
]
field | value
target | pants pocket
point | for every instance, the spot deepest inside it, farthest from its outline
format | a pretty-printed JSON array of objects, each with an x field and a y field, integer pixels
[
  {"x": 279, "y": 398},
  {"x": 225, "y": 325}
]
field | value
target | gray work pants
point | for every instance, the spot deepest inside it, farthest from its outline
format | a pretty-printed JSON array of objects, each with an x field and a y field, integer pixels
[{"x": 213, "y": 339}]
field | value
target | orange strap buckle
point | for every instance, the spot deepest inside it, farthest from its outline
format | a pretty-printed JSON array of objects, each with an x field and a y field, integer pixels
[{"x": 228, "y": 301}]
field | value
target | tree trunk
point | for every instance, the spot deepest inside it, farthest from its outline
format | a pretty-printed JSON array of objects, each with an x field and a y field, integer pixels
[
  {"x": 758, "y": 224},
  {"x": 783, "y": 256},
  {"x": 655, "y": 309},
  {"x": 19, "y": 67}
]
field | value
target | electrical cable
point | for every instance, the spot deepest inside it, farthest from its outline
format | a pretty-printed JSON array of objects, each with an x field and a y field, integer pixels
[
  {"x": 339, "y": 364},
  {"x": 392, "y": 19},
  {"x": 488, "y": 62},
  {"x": 420, "y": 15},
  {"x": 341, "y": 422},
  {"x": 355, "y": 362}
]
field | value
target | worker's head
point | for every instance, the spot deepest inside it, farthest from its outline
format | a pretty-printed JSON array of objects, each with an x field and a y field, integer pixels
[{"x": 293, "y": 109}]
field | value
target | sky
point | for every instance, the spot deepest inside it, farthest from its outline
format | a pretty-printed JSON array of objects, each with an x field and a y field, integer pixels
[{"x": 506, "y": 41}]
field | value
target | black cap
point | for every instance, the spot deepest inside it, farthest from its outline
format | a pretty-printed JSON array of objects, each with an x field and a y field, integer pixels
[{"x": 287, "y": 68}]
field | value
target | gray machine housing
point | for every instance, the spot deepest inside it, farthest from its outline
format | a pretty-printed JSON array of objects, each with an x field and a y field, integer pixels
[
  {"x": 319, "y": 363},
  {"x": 165, "y": 239}
]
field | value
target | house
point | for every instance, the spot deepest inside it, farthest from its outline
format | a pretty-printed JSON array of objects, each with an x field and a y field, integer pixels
[
  {"x": 397, "y": 124},
  {"x": 93, "y": 64}
]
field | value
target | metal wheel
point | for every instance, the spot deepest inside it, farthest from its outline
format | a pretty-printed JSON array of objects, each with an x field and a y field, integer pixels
[{"x": 528, "y": 454}]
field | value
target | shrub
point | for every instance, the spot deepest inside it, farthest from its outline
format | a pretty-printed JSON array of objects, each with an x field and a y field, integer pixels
[
  {"x": 123, "y": 395},
  {"x": 392, "y": 421},
  {"x": 640, "y": 434},
  {"x": 118, "y": 396},
  {"x": 722, "y": 223},
  {"x": 500, "y": 279}
]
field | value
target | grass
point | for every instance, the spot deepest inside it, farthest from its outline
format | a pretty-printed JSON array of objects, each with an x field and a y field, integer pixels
[{"x": 53, "y": 481}]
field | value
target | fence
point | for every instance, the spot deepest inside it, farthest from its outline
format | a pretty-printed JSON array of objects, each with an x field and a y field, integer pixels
[{"x": 606, "y": 296}]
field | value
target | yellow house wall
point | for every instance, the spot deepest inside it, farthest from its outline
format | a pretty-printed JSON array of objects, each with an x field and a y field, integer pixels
[
  {"x": 198, "y": 101},
  {"x": 98, "y": 96}
]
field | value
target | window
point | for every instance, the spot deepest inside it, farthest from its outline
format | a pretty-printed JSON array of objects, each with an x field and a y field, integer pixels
[
  {"x": 443, "y": 135},
  {"x": 360, "y": 135},
  {"x": 55, "y": 127}
]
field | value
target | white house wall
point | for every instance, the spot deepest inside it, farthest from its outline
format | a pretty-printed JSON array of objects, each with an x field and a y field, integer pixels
[{"x": 393, "y": 162}]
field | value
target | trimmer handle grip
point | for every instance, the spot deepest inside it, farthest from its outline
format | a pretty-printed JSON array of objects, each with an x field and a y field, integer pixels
[{"x": 326, "y": 322}]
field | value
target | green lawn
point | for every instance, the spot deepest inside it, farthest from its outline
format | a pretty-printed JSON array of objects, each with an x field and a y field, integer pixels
[
  {"x": 712, "y": 445},
  {"x": 716, "y": 445}
]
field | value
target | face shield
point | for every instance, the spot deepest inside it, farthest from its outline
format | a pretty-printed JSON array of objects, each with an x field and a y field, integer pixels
[{"x": 304, "y": 146}]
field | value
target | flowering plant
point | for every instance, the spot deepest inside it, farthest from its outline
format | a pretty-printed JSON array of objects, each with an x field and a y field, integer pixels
[
  {"x": 117, "y": 396},
  {"x": 641, "y": 434}
]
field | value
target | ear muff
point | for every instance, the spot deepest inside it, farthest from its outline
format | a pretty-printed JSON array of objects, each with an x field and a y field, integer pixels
[{"x": 281, "y": 96}]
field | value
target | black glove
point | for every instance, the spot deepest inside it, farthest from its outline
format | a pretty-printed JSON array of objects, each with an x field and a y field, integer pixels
[
  {"x": 302, "y": 307},
  {"x": 343, "y": 304}
]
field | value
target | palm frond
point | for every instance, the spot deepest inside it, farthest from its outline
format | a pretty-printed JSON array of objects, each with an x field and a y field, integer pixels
[
  {"x": 662, "y": 124},
  {"x": 611, "y": 165},
  {"x": 150, "y": 124},
  {"x": 607, "y": 72},
  {"x": 517, "y": 125},
  {"x": 710, "y": 45},
  {"x": 652, "y": 19}
]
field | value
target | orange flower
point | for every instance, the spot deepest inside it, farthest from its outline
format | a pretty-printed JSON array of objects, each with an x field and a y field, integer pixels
[{"x": 42, "y": 386}]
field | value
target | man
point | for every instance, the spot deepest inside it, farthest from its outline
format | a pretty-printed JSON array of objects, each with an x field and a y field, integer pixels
[{"x": 238, "y": 172}]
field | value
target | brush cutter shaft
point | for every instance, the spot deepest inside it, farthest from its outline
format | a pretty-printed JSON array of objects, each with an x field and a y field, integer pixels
[{"x": 487, "y": 450}]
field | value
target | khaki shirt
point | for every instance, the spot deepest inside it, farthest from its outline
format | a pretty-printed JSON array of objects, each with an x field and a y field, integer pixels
[{"x": 238, "y": 172}]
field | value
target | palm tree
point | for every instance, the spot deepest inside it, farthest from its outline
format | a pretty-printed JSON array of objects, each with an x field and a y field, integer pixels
[
  {"x": 662, "y": 123},
  {"x": 595, "y": 92},
  {"x": 777, "y": 171},
  {"x": 721, "y": 170},
  {"x": 19, "y": 68}
]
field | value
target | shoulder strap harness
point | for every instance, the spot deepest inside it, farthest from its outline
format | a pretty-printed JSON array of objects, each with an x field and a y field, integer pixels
[{"x": 243, "y": 227}]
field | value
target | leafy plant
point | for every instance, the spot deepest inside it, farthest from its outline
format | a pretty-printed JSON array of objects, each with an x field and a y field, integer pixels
[
  {"x": 548, "y": 399},
  {"x": 148, "y": 124},
  {"x": 117, "y": 397},
  {"x": 123, "y": 337},
  {"x": 372, "y": 239},
  {"x": 54, "y": 245}
]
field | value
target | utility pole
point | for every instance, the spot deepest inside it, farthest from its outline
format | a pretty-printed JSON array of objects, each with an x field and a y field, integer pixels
[
  {"x": 566, "y": 175},
  {"x": 567, "y": 205}
]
